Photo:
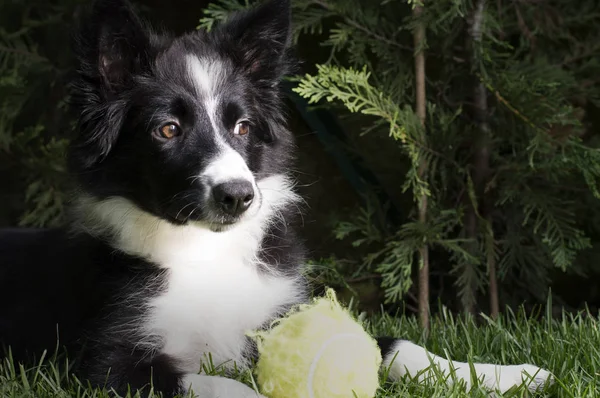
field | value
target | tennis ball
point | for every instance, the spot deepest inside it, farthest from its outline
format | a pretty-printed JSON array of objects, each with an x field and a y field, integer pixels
[{"x": 317, "y": 351}]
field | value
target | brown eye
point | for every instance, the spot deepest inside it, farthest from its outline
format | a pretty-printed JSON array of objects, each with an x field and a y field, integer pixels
[
  {"x": 242, "y": 128},
  {"x": 169, "y": 130}
]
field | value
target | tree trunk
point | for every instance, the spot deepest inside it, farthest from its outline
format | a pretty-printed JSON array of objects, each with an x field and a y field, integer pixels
[
  {"x": 481, "y": 160},
  {"x": 421, "y": 109}
]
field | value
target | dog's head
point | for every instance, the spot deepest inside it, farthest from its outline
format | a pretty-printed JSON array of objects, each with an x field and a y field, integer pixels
[{"x": 184, "y": 127}]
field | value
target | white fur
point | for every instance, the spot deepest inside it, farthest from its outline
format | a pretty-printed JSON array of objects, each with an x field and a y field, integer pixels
[
  {"x": 229, "y": 165},
  {"x": 217, "y": 387},
  {"x": 226, "y": 166},
  {"x": 215, "y": 292},
  {"x": 207, "y": 75},
  {"x": 410, "y": 359}
]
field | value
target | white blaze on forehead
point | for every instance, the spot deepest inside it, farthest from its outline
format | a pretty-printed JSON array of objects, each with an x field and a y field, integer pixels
[
  {"x": 206, "y": 75},
  {"x": 226, "y": 166}
]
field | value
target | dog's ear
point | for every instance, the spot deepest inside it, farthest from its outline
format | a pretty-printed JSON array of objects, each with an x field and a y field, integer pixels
[
  {"x": 113, "y": 44},
  {"x": 261, "y": 38}
]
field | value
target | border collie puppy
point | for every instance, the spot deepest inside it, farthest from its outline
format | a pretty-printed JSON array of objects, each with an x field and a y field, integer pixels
[{"x": 181, "y": 238}]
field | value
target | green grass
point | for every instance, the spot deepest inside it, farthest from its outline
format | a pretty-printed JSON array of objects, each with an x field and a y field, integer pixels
[{"x": 568, "y": 347}]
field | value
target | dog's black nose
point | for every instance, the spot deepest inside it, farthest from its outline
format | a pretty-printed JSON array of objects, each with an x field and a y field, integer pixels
[{"x": 234, "y": 197}]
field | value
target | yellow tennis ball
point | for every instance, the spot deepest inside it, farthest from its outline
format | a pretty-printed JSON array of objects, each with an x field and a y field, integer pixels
[{"x": 318, "y": 351}]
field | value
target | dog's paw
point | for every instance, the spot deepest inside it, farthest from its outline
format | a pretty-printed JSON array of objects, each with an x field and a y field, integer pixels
[
  {"x": 531, "y": 376},
  {"x": 217, "y": 387}
]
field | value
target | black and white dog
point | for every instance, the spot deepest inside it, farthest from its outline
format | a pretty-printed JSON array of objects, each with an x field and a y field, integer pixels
[{"x": 182, "y": 234}]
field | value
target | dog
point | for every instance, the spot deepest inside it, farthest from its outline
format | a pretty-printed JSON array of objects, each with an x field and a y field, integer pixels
[{"x": 181, "y": 230}]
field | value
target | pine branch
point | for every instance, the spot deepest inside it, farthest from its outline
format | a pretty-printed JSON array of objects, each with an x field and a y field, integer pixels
[
  {"x": 362, "y": 28},
  {"x": 218, "y": 12},
  {"x": 352, "y": 89},
  {"x": 536, "y": 146},
  {"x": 592, "y": 51},
  {"x": 28, "y": 54}
]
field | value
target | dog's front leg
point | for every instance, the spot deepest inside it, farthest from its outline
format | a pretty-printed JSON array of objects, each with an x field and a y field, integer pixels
[
  {"x": 403, "y": 357},
  {"x": 217, "y": 387}
]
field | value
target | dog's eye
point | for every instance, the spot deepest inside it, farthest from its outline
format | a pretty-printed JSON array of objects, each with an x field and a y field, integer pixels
[
  {"x": 169, "y": 130},
  {"x": 242, "y": 128}
]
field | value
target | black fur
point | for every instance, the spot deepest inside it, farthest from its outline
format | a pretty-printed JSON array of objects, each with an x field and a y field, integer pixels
[
  {"x": 70, "y": 289},
  {"x": 113, "y": 287},
  {"x": 132, "y": 81}
]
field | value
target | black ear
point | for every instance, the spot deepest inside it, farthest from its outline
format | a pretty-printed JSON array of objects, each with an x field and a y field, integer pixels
[
  {"x": 261, "y": 38},
  {"x": 112, "y": 46},
  {"x": 113, "y": 43}
]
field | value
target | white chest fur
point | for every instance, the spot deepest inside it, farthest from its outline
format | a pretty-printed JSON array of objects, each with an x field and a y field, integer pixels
[
  {"x": 214, "y": 290},
  {"x": 215, "y": 293},
  {"x": 209, "y": 308}
]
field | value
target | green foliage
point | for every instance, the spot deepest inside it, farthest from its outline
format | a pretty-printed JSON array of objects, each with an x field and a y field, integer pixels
[
  {"x": 219, "y": 11},
  {"x": 45, "y": 193},
  {"x": 353, "y": 90},
  {"x": 539, "y": 65},
  {"x": 542, "y": 156},
  {"x": 34, "y": 123}
]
